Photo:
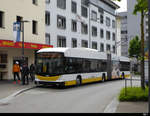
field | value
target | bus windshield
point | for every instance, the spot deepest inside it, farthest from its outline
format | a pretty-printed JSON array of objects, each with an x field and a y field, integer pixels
[{"x": 48, "y": 64}]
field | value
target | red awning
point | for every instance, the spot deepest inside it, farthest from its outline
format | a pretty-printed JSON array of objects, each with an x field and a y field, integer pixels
[{"x": 11, "y": 44}]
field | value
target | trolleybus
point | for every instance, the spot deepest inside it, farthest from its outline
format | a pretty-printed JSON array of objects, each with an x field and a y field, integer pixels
[{"x": 76, "y": 66}]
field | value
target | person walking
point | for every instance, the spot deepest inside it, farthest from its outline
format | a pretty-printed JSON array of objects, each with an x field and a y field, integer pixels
[
  {"x": 16, "y": 71},
  {"x": 25, "y": 74},
  {"x": 32, "y": 72}
]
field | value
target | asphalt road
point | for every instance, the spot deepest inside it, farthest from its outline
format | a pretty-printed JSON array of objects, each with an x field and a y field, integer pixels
[{"x": 90, "y": 98}]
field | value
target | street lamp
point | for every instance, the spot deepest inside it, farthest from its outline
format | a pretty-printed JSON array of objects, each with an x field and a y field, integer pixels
[
  {"x": 22, "y": 23},
  {"x": 89, "y": 24}
]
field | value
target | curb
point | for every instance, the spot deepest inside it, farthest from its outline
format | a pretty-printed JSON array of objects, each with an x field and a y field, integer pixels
[
  {"x": 23, "y": 90},
  {"x": 7, "y": 99}
]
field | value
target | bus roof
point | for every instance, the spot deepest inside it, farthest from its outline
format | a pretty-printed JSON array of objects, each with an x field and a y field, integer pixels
[
  {"x": 77, "y": 52},
  {"x": 124, "y": 59},
  {"x": 83, "y": 53}
]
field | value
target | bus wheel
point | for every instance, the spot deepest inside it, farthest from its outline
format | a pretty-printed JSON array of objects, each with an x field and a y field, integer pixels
[
  {"x": 103, "y": 78},
  {"x": 61, "y": 86},
  {"x": 78, "y": 81},
  {"x": 123, "y": 76},
  {"x": 36, "y": 84}
]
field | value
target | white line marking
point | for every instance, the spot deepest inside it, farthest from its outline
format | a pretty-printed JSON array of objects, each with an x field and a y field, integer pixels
[{"x": 112, "y": 107}]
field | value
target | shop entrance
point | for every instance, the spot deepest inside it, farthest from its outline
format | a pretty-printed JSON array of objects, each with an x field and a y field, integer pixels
[
  {"x": 19, "y": 59},
  {"x": 3, "y": 64}
]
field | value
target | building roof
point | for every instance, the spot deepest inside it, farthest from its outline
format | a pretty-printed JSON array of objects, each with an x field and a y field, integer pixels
[{"x": 111, "y": 4}]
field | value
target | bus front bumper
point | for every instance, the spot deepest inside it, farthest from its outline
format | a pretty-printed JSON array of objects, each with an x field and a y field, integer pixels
[{"x": 49, "y": 83}]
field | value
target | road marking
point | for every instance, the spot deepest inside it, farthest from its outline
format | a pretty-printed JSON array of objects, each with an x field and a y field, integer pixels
[{"x": 112, "y": 107}]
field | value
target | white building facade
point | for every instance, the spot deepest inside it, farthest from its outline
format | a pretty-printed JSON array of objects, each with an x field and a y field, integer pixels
[
  {"x": 124, "y": 34},
  {"x": 81, "y": 23}
]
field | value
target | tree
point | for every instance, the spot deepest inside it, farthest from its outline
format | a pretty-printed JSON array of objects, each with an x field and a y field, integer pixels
[
  {"x": 135, "y": 48},
  {"x": 142, "y": 8}
]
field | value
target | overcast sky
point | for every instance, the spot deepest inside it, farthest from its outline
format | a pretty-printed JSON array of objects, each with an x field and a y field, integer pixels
[{"x": 123, "y": 5}]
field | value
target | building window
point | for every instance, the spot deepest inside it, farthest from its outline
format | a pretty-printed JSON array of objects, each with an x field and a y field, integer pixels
[
  {"x": 124, "y": 32},
  {"x": 101, "y": 18},
  {"x": 35, "y": 2},
  {"x": 74, "y": 26},
  {"x": 61, "y": 4},
  {"x": 74, "y": 43},
  {"x": 84, "y": 28},
  {"x": 94, "y": 31},
  {"x": 114, "y": 49},
  {"x": 94, "y": 45},
  {"x": 48, "y": 41},
  {"x": 108, "y": 48},
  {"x": 84, "y": 43},
  {"x": 61, "y": 22},
  {"x": 101, "y": 33},
  {"x": 1, "y": 19},
  {"x": 84, "y": 11},
  {"x": 47, "y": 18},
  {"x": 48, "y": 1},
  {"x": 107, "y": 21},
  {"x": 114, "y": 36},
  {"x": 108, "y": 35},
  {"x": 102, "y": 47},
  {"x": 61, "y": 41},
  {"x": 85, "y": 2},
  {"x": 94, "y": 16},
  {"x": 34, "y": 27},
  {"x": 19, "y": 19},
  {"x": 74, "y": 7},
  {"x": 113, "y": 24}
]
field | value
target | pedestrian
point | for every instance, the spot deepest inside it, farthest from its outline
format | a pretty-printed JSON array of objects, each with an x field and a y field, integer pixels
[
  {"x": 32, "y": 72},
  {"x": 25, "y": 74},
  {"x": 16, "y": 71}
]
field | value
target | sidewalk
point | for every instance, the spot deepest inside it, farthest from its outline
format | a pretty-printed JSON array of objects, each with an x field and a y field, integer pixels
[
  {"x": 132, "y": 107},
  {"x": 7, "y": 88}
]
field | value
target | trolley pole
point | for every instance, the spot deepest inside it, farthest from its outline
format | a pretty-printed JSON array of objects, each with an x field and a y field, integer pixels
[{"x": 149, "y": 54}]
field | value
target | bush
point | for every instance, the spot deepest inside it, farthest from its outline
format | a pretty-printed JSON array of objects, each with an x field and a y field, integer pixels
[{"x": 134, "y": 94}]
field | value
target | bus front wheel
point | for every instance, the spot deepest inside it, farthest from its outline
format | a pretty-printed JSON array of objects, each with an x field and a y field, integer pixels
[
  {"x": 78, "y": 81},
  {"x": 103, "y": 78}
]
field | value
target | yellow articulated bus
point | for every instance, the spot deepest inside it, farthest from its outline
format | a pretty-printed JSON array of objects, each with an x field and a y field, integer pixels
[{"x": 76, "y": 66}]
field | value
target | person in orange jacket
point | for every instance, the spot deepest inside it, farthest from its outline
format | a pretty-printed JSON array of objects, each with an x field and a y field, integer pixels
[{"x": 16, "y": 71}]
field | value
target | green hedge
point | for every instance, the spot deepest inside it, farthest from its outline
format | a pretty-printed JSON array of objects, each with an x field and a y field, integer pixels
[{"x": 134, "y": 94}]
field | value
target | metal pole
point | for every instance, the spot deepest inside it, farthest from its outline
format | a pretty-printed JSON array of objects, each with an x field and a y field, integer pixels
[
  {"x": 22, "y": 41},
  {"x": 109, "y": 66},
  {"x": 23, "y": 56},
  {"x": 131, "y": 73},
  {"x": 125, "y": 87},
  {"x": 89, "y": 26},
  {"x": 149, "y": 53}
]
